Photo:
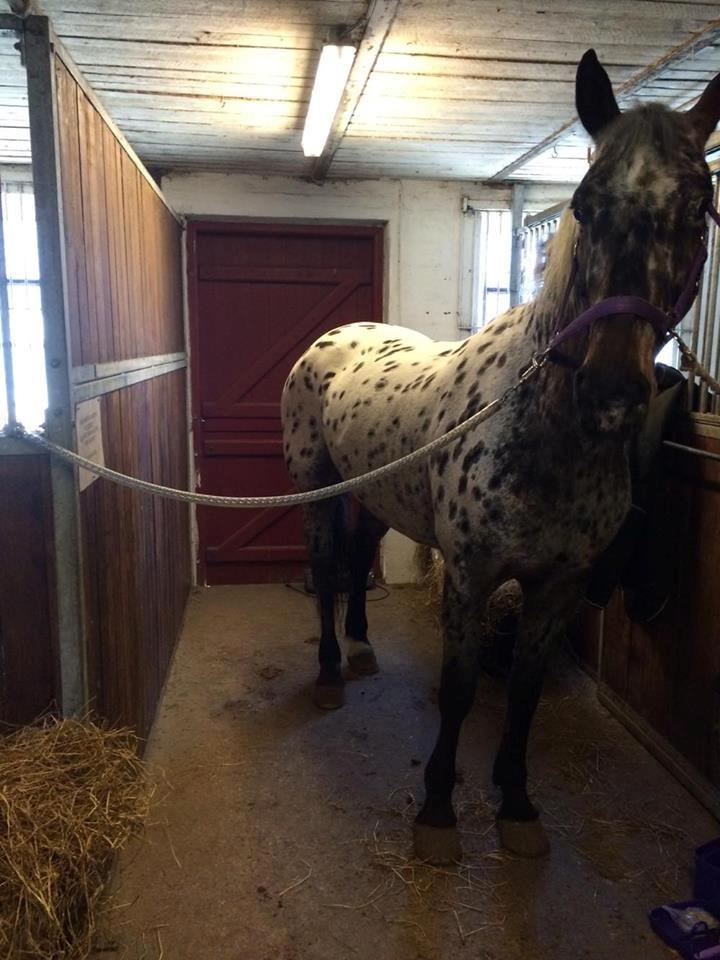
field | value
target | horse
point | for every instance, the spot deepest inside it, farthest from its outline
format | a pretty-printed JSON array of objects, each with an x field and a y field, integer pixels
[{"x": 534, "y": 494}]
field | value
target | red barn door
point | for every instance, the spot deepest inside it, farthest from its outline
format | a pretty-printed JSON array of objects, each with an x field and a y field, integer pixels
[{"x": 259, "y": 295}]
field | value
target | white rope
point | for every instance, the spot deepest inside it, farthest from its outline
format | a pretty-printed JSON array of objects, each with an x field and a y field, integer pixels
[
  {"x": 695, "y": 367},
  {"x": 292, "y": 499},
  {"x": 324, "y": 493}
]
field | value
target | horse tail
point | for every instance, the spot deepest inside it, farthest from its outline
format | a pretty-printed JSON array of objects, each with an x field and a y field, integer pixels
[
  {"x": 329, "y": 541},
  {"x": 342, "y": 545}
]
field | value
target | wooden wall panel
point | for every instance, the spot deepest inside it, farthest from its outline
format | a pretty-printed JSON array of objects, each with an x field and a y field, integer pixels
[
  {"x": 75, "y": 254},
  {"x": 695, "y": 713},
  {"x": 123, "y": 244},
  {"x": 668, "y": 671},
  {"x": 584, "y": 637},
  {"x": 136, "y": 552},
  {"x": 28, "y": 641},
  {"x": 123, "y": 251}
]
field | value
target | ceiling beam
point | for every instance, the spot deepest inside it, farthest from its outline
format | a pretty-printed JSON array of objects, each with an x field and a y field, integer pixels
[
  {"x": 380, "y": 16},
  {"x": 10, "y": 21},
  {"x": 697, "y": 41}
]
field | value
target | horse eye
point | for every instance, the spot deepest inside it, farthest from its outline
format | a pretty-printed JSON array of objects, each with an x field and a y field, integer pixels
[{"x": 579, "y": 213}]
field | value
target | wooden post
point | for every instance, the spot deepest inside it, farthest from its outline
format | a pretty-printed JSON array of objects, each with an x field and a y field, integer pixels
[
  {"x": 47, "y": 187},
  {"x": 6, "y": 332},
  {"x": 518, "y": 200}
]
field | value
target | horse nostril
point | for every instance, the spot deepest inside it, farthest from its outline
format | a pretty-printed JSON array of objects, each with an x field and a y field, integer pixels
[
  {"x": 629, "y": 391},
  {"x": 638, "y": 391}
]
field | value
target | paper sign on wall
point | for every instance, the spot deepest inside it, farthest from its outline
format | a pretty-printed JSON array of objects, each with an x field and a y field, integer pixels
[{"x": 88, "y": 425}]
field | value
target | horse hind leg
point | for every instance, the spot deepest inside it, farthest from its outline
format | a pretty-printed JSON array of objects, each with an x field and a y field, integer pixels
[
  {"x": 362, "y": 547},
  {"x": 325, "y": 524}
]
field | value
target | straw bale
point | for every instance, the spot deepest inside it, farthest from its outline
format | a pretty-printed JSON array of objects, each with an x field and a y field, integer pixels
[{"x": 71, "y": 794}]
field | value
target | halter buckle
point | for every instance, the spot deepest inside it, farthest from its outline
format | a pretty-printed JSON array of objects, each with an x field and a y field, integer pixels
[{"x": 537, "y": 362}]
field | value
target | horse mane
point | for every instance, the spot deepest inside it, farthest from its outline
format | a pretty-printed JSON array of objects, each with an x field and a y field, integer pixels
[
  {"x": 651, "y": 125},
  {"x": 553, "y": 294}
]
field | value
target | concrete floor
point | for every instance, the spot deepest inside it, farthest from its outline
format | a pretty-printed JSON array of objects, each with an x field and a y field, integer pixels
[{"x": 283, "y": 832}]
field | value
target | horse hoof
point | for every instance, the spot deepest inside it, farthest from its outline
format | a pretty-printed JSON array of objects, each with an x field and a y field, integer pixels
[
  {"x": 363, "y": 664},
  {"x": 526, "y": 838},
  {"x": 436, "y": 844},
  {"x": 329, "y": 696}
]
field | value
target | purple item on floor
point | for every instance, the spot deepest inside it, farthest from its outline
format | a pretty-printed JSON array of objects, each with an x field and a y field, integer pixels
[
  {"x": 700, "y": 942},
  {"x": 707, "y": 875}
]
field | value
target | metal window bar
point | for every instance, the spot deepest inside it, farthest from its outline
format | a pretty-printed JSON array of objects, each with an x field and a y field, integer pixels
[{"x": 702, "y": 325}]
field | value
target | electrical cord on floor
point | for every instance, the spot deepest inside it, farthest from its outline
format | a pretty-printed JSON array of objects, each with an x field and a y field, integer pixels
[{"x": 303, "y": 591}]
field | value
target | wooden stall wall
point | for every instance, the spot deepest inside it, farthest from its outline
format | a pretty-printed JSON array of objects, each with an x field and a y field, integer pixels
[
  {"x": 124, "y": 299},
  {"x": 28, "y": 641},
  {"x": 663, "y": 677}
]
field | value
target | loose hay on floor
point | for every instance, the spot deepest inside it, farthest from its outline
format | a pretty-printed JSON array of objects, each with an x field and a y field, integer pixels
[
  {"x": 71, "y": 794},
  {"x": 467, "y": 890}
]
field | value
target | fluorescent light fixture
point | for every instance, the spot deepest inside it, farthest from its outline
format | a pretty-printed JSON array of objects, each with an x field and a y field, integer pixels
[{"x": 332, "y": 73}]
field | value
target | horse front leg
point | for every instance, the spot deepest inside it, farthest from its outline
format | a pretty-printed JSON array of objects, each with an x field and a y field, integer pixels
[
  {"x": 545, "y": 612},
  {"x": 435, "y": 831}
]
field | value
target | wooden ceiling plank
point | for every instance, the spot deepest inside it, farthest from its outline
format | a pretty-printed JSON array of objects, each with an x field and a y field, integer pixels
[
  {"x": 380, "y": 16},
  {"x": 543, "y": 24},
  {"x": 709, "y": 35},
  {"x": 292, "y": 90},
  {"x": 599, "y": 9},
  {"x": 494, "y": 68},
  {"x": 624, "y": 50},
  {"x": 336, "y": 11},
  {"x": 261, "y": 61},
  {"x": 391, "y": 86}
]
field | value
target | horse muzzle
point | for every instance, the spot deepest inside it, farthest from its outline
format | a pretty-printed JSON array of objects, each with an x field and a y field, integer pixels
[{"x": 610, "y": 405}]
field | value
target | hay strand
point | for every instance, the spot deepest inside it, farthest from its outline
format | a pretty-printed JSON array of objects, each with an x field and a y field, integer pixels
[{"x": 71, "y": 794}]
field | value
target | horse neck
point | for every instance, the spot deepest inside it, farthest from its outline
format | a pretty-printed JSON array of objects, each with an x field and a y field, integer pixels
[
  {"x": 551, "y": 311},
  {"x": 551, "y": 396},
  {"x": 554, "y": 309}
]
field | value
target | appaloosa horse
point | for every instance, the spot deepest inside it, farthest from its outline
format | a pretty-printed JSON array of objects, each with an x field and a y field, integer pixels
[{"x": 537, "y": 492}]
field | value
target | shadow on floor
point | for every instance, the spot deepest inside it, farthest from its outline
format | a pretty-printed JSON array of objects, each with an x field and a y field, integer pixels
[{"x": 284, "y": 833}]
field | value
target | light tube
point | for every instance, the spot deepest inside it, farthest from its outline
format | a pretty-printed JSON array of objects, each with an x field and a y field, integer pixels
[{"x": 332, "y": 73}]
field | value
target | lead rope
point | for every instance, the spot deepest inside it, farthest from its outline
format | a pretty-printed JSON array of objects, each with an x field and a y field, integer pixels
[
  {"x": 695, "y": 367},
  {"x": 17, "y": 431},
  {"x": 538, "y": 361}
]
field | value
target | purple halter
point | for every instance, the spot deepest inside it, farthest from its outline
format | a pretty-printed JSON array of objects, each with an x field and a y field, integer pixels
[{"x": 661, "y": 322}]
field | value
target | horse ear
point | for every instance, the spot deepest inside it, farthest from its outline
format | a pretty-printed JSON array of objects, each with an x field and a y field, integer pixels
[
  {"x": 594, "y": 97},
  {"x": 706, "y": 112}
]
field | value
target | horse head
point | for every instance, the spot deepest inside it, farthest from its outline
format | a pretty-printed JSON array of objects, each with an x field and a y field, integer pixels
[{"x": 640, "y": 219}]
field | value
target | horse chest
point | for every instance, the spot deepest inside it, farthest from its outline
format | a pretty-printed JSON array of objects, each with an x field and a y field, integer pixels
[
  {"x": 522, "y": 506},
  {"x": 583, "y": 520}
]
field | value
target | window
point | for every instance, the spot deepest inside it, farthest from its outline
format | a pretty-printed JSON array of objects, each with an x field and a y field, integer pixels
[
  {"x": 536, "y": 236},
  {"x": 701, "y": 327},
  {"x": 494, "y": 249},
  {"x": 485, "y": 277},
  {"x": 26, "y": 386}
]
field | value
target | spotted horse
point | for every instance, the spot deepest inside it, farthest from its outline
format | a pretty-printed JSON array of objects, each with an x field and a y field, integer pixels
[{"x": 537, "y": 492}]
